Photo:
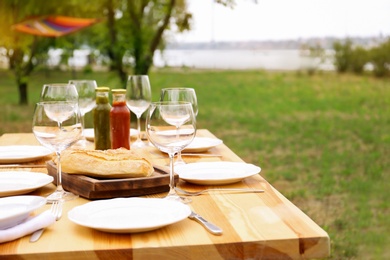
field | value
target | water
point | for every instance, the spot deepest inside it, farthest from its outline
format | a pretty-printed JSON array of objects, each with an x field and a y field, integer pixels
[
  {"x": 239, "y": 59},
  {"x": 292, "y": 59}
]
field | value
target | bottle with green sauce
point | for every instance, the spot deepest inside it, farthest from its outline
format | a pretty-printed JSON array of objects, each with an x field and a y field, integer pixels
[{"x": 101, "y": 119}]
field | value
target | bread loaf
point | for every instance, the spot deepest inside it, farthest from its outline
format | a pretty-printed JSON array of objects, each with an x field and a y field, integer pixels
[{"x": 118, "y": 163}]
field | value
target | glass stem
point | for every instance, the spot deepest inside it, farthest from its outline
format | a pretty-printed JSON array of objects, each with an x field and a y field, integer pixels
[
  {"x": 82, "y": 121},
  {"x": 59, "y": 175},
  {"x": 139, "y": 128},
  {"x": 171, "y": 175},
  {"x": 179, "y": 159},
  {"x": 83, "y": 125},
  {"x": 82, "y": 139}
]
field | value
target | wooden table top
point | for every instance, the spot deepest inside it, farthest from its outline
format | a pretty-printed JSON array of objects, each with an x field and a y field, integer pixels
[{"x": 255, "y": 225}]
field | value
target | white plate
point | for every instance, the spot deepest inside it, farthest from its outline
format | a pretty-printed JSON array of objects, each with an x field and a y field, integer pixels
[
  {"x": 90, "y": 135},
  {"x": 22, "y": 153},
  {"x": 13, "y": 210},
  {"x": 216, "y": 173},
  {"x": 22, "y": 182},
  {"x": 202, "y": 144},
  {"x": 129, "y": 215}
]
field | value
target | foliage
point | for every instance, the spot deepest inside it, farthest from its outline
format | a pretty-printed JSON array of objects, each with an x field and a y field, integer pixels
[
  {"x": 138, "y": 31},
  {"x": 380, "y": 58},
  {"x": 130, "y": 34},
  {"x": 354, "y": 58},
  {"x": 24, "y": 51},
  {"x": 323, "y": 140},
  {"x": 21, "y": 51},
  {"x": 316, "y": 53},
  {"x": 359, "y": 58},
  {"x": 343, "y": 53}
]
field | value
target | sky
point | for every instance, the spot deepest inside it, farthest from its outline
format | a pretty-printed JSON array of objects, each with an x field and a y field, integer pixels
[{"x": 286, "y": 19}]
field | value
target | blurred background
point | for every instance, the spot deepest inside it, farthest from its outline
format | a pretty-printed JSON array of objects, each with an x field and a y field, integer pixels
[{"x": 300, "y": 88}]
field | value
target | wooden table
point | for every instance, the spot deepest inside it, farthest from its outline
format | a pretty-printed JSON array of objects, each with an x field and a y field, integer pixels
[{"x": 255, "y": 226}]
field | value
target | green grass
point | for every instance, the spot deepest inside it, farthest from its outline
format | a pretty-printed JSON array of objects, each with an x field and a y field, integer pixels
[{"x": 322, "y": 140}]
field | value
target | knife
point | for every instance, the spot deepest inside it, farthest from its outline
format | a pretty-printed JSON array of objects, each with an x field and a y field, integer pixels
[
  {"x": 22, "y": 166},
  {"x": 201, "y": 154},
  {"x": 213, "y": 229},
  {"x": 36, "y": 235}
]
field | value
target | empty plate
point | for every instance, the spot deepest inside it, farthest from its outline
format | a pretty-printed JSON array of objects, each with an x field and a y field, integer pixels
[
  {"x": 22, "y": 153},
  {"x": 129, "y": 215},
  {"x": 202, "y": 144},
  {"x": 216, "y": 173},
  {"x": 22, "y": 182}
]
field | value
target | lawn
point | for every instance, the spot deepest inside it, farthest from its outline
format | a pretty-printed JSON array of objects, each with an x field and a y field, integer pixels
[{"x": 322, "y": 140}]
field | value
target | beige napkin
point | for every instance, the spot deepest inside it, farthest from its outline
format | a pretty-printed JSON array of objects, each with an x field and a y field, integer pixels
[{"x": 32, "y": 224}]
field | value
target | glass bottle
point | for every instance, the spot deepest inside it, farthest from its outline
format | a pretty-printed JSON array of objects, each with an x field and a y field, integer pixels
[
  {"x": 119, "y": 120},
  {"x": 101, "y": 119}
]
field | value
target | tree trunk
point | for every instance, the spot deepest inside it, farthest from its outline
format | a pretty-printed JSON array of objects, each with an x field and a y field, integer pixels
[{"x": 23, "y": 93}]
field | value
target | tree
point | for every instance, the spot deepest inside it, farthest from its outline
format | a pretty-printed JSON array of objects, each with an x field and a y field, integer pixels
[
  {"x": 21, "y": 49},
  {"x": 380, "y": 58},
  {"x": 137, "y": 28},
  {"x": 133, "y": 31},
  {"x": 342, "y": 56},
  {"x": 359, "y": 58}
]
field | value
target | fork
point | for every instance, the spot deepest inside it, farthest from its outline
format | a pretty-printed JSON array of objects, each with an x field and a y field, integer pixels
[
  {"x": 56, "y": 210},
  {"x": 196, "y": 193}
]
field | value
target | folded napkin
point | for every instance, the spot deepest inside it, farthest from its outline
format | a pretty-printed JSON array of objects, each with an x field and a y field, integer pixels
[{"x": 30, "y": 225}]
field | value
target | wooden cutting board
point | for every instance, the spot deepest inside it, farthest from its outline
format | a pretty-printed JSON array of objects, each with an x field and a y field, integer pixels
[{"x": 95, "y": 188}]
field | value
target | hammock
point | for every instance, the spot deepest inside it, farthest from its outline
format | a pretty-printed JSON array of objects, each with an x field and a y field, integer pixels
[{"x": 54, "y": 26}]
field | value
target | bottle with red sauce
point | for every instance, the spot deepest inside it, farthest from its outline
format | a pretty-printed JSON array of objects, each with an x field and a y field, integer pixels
[{"x": 119, "y": 120}]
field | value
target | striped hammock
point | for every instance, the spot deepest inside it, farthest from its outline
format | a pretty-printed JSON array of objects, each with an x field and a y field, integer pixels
[{"x": 54, "y": 26}]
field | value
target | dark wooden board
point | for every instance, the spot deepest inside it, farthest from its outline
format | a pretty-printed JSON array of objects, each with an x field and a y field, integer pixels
[{"x": 95, "y": 188}]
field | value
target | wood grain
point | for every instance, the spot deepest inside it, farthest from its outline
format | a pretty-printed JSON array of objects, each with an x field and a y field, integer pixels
[
  {"x": 256, "y": 225},
  {"x": 94, "y": 188}
]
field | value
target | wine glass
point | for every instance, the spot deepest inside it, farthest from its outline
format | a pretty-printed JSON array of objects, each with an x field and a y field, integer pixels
[
  {"x": 180, "y": 94},
  {"x": 57, "y": 137},
  {"x": 138, "y": 98},
  {"x": 86, "y": 92},
  {"x": 59, "y": 92},
  {"x": 171, "y": 126}
]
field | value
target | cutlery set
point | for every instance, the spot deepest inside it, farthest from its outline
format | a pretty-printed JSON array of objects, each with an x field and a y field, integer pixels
[
  {"x": 56, "y": 210},
  {"x": 56, "y": 207}
]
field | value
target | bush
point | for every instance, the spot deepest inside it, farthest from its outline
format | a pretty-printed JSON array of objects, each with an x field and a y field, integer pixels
[
  {"x": 348, "y": 58},
  {"x": 359, "y": 58},
  {"x": 342, "y": 56},
  {"x": 380, "y": 58}
]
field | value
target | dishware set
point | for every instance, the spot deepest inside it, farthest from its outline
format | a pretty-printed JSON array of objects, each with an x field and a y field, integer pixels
[
  {"x": 170, "y": 126},
  {"x": 16, "y": 220}
]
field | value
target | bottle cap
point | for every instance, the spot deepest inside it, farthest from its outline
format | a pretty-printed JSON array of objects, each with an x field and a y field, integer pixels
[
  {"x": 102, "y": 89},
  {"x": 118, "y": 91}
]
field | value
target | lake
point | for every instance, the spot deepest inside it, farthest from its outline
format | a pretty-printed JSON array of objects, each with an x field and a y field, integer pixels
[
  {"x": 217, "y": 59},
  {"x": 239, "y": 59}
]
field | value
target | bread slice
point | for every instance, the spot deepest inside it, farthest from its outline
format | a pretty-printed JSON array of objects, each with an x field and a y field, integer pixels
[{"x": 112, "y": 163}]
